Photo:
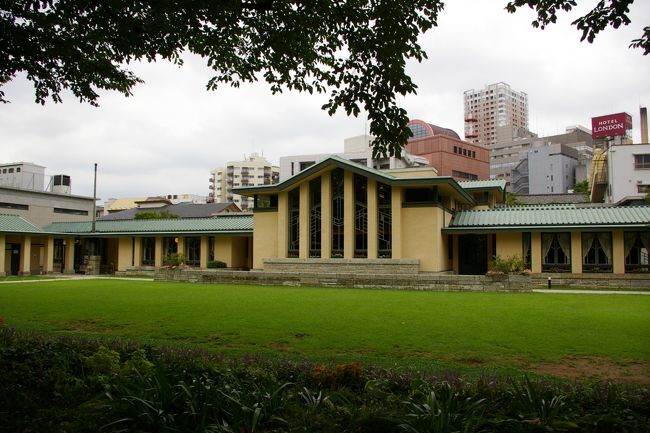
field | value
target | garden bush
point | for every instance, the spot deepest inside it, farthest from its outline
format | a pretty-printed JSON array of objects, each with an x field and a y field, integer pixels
[
  {"x": 79, "y": 385},
  {"x": 212, "y": 264},
  {"x": 508, "y": 265},
  {"x": 174, "y": 259}
]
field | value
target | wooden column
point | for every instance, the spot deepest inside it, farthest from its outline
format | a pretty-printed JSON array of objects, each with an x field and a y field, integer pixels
[
  {"x": 48, "y": 255},
  {"x": 25, "y": 255},
  {"x": 576, "y": 252},
  {"x": 158, "y": 252},
  {"x": 3, "y": 271},
  {"x": 618, "y": 252},
  {"x": 204, "y": 253},
  {"x": 137, "y": 251},
  {"x": 536, "y": 252},
  {"x": 68, "y": 254}
]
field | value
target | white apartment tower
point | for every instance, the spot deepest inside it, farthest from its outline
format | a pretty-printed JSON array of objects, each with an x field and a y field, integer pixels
[
  {"x": 495, "y": 113},
  {"x": 252, "y": 171}
]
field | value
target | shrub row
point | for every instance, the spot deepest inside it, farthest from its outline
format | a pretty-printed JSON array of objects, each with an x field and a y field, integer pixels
[{"x": 79, "y": 385}]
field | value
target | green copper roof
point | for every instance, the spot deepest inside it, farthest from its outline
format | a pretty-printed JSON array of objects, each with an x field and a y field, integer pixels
[
  {"x": 17, "y": 224},
  {"x": 483, "y": 184},
  {"x": 221, "y": 224},
  {"x": 361, "y": 169},
  {"x": 555, "y": 216}
]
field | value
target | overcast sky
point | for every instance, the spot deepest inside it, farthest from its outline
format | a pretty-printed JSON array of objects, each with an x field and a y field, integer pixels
[{"x": 167, "y": 137}]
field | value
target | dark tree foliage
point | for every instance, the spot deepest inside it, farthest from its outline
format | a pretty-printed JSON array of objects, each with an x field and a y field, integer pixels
[
  {"x": 355, "y": 49},
  {"x": 605, "y": 13}
]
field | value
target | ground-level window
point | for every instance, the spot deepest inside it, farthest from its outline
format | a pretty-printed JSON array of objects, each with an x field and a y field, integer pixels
[
  {"x": 170, "y": 246},
  {"x": 315, "y": 218},
  {"x": 148, "y": 251},
  {"x": 193, "y": 251},
  {"x": 337, "y": 212},
  {"x": 211, "y": 248},
  {"x": 526, "y": 251},
  {"x": 597, "y": 252},
  {"x": 384, "y": 220},
  {"x": 294, "y": 222},
  {"x": 556, "y": 251},
  {"x": 637, "y": 247},
  {"x": 360, "y": 216}
]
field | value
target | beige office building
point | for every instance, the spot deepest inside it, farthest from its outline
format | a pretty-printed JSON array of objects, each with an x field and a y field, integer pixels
[
  {"x": 495, "y": 113},
  {"x": 252, "y": 171}
]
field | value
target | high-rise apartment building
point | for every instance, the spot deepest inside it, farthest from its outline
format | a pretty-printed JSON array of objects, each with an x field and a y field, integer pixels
[
  {"x": 495, "y": 113},
  {"x": 252, "y": 171}
]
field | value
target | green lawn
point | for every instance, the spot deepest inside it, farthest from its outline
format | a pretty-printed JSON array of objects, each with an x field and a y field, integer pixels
[{"x": 383, "y": 326}]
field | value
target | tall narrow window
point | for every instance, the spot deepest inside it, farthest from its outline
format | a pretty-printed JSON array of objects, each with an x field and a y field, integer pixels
[
  {"x": 556, "y": 250},
  {"x": 193, "y": 251},
  {"x": 597, "y": 252},
  {"x": 337, "y": 212},
  {"x": 637, "y": 251},
  {"x": 526, "y": 250},
  {"x": 148, "y": 251},
  {"x": 360, "y": 216},
  {"x": 384, "y": 221},
  {"x": 211, "y": 248},
  {"x": 294, "y": 222},
  {"x": 314, "y": 218}
]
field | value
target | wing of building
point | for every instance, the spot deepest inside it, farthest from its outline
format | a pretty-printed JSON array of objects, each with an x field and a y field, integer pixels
[{"x": 338, "y": 213}]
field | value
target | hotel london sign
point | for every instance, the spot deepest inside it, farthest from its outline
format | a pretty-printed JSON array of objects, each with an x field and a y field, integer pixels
[{"x": 610, "y": 125}]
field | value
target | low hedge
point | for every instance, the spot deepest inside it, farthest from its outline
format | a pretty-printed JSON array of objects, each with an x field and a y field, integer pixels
[{"x": 79, "y": 385}]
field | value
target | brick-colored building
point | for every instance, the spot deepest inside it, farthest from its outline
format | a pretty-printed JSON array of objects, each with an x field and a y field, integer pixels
[{"x": 445, "y": 151}]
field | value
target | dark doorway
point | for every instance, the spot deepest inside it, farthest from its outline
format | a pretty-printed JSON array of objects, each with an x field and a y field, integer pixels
[
  {"x": 472, "y": 254},
  {"x": 15, "y": 259}
]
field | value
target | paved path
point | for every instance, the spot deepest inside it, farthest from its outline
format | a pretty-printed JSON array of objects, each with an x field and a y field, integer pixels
[{"x": 593, "y": 292}]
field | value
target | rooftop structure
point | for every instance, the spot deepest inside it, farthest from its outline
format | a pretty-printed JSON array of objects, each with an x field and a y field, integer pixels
[
  {"x": 251, "y": 171},
  {"x": 447, "y": 153}
]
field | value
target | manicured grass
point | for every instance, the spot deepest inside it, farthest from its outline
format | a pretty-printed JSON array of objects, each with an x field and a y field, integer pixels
[{"x": 382, "y": 326}]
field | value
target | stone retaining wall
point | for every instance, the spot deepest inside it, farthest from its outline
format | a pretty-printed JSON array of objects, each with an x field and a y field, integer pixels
[
  {"x": 421, "y": 281},
  {"x": 344, "y": 266},
  {"x": 598, "y": 281}
]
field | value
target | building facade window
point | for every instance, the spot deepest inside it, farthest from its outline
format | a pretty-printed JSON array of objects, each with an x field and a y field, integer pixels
[
  {"x": 70, "y": 211},
  {"x": 170, "y": 246},
  {"x": 637, "y": 248},
  {"x": 211, "y": 248},
  {"x": 360, "y": 216},
  {"x": 642, "y": 162},
  {"x": 596, "y": 252},
  {"x": 384, "y": 220},
  {"x": 556, "y": 251},
  {"x": 315, "y": 218},
  {"x": 193, "y": 251},
  {"x": 294, "y": 222},
  {"x": 464, "y": 175},
  {"x": 148, "y": 251},
  {"x": 337, "y": 212},
  {"x": 526, "y": 251}
]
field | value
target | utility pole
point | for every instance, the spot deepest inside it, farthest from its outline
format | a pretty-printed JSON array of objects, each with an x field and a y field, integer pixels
[{"x": 94, "y": 200}]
